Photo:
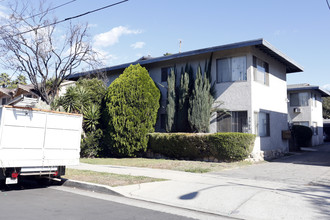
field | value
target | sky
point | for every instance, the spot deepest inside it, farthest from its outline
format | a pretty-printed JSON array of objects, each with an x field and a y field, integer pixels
[{"x": 136, "y": 28}]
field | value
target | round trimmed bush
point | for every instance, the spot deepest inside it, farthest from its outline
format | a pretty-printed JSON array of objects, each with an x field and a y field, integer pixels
[{"x": 132, "y": 103}]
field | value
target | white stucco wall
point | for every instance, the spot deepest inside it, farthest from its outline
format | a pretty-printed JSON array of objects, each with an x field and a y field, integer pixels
[{"x": 271, "y": 99}]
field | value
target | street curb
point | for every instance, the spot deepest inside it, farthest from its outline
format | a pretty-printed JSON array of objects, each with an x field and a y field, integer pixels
[
  {"x": 93, "y": 187},
  {"x": 89, "y": 187}
]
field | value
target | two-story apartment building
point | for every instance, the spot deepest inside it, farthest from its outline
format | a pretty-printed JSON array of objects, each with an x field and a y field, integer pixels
[
  {"x": 305, "y": 108},
  {"x": 250, "y": 80}
]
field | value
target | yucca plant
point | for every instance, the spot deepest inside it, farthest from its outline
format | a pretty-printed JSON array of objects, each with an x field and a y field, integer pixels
[{"x": 92, "y": 115}]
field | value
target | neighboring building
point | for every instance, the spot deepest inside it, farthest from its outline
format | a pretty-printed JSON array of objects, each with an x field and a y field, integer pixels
[
  {"x": 6, "y": 95},
  {"x": 305, "y": 108},
  {"x": 249, "y": 77},
  {"x": 26, "y": 90},
  {"x": 326, "y": 129},
  {"x": 64, "y": 86}
]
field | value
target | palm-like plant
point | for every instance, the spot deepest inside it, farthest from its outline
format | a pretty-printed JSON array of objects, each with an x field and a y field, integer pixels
[
  {"x": 92, "y": 115},
  {"x": 75, "y": 100},
  {"x": 83, "y": 99},
  {"x": 68, "y": 101}
]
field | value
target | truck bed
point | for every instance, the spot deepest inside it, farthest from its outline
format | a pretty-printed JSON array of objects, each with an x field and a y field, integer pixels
[{"x": 36, "y": 138}]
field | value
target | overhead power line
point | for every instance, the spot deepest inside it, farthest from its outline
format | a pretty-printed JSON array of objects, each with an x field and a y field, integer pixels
[
  {"x": 99, "y": 9},
  {"x": 328, "y": 3},
  {"x": 35, "y": 15},
  {"x": 67, "y": 19},
  {"x": 51, "y": 9}
]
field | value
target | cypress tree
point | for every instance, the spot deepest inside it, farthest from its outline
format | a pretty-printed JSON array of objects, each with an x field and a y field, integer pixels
[
  {"x": 171, "y": 99},
  {"x": 183, "y": 102},
  {"x": 200, "y": 103}
]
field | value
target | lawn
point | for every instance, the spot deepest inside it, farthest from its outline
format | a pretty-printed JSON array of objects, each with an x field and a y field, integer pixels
[
  {"x": 180, "y": 165},
  {"x": 109, "y": 179}
]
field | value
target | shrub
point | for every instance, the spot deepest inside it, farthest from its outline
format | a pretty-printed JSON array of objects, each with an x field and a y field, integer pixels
[
  {"x": 302, "y": 135},
  {"x": 95, "y": 87},
  {"x": 90, "y": 144},
  {"x": 223, "y": 146},
  {"x": 132, "y": 103},
  {"x": 231, "y": 146}
]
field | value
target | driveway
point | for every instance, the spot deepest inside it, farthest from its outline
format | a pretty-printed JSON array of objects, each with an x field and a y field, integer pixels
[{"x": 302, "y": 168}]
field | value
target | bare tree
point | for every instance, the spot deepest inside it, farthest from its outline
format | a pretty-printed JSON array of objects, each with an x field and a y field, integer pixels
[{"x": 32, "y": 43}]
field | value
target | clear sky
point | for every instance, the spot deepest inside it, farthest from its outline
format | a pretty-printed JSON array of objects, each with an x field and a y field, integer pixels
[{"x": 124, "y": 33}]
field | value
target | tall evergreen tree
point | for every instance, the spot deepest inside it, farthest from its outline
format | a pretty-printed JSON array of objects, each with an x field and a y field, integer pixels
[
  {"x": 190, "y": 71},
  {"x": 132, "y": 103},
  {"x": 200, "y": 103},
  {"x": 171, "y": 102},
  {"x": 183, "y": 102}
]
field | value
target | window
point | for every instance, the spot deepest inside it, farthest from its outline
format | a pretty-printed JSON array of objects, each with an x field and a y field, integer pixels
[
  {"x": 262, "y": 124},
  {"x": 233, "y": 122},
  {"x": 314, "y": 98},
  {"x": 299, "y": 99},
  {"x": 231, "y": 69},
  {"x": 261, "y": 71},
  {"x": 165, "y": 72},
  {"x": 314, "y": 128},
  {"x": 163, "y": 121},
  {"x": 304, "y": 123},
  {"x": 3, "y": 101}
]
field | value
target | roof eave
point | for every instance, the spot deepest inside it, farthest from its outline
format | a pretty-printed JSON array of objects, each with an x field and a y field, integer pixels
[
  {"x": 263, "y": 45},
  {"x": 323, "y": 92}
]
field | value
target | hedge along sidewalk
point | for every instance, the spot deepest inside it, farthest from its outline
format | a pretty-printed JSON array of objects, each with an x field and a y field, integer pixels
[
  {"x": 220, "y": 146},
  {"x": 177, "y": 165}
]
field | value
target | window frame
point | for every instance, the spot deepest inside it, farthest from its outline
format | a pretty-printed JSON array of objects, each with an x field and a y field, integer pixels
[
  {"x": 165, "y": 72},
  {"x": 314, "y": 128},
  {"x": 258, "y": 125},
  {"x": 300, "y": 101},
  {"x": 256, "y": 70},
  {"x": 232, "y": 121},
  {"x": 303, "y": 123},
  {"x": 4, "y": 101},
  {"x": 244, "y": 74},
  {"x": 314, "y": 99}
]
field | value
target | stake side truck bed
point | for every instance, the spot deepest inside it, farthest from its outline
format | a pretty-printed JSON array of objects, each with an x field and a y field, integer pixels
[{"x": 37, "y": 142}]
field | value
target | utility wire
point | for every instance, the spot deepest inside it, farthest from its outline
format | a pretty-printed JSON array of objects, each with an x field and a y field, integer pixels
[
  {"x": 32, "y": 16},
  {"x": 51, "y": 9},
  {"x": 67, "y": 19},
  {"x": 99, "y": 9},
  {"x": 328, "y": 3}
]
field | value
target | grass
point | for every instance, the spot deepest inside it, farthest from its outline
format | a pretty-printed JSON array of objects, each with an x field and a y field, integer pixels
[
  {"x": 180, "y": 165},
  {"x": 109, "y": 179}
]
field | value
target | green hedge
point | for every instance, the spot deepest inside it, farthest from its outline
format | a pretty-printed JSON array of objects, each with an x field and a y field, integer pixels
[{"x": 223, "y": 146}]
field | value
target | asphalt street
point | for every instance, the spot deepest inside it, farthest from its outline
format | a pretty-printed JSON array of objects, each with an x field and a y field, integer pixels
[{"x": 29, "y": 200}]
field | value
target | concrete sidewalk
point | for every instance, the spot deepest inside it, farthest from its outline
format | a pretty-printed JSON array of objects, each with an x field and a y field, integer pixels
[{"x": 227, "y": 196}]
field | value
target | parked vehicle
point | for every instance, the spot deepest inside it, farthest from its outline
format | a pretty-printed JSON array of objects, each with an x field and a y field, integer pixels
[{"x": 35, "y": 142}]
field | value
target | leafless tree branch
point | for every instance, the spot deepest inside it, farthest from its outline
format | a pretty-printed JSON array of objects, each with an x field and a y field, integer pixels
[{"x": 43, "y": 55}]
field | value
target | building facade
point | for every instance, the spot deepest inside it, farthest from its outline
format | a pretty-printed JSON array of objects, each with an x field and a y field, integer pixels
[{"x": 250, "y": 81}]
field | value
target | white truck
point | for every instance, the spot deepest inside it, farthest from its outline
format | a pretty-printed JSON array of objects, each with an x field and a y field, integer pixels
[{"x": 35, "y": 142}]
